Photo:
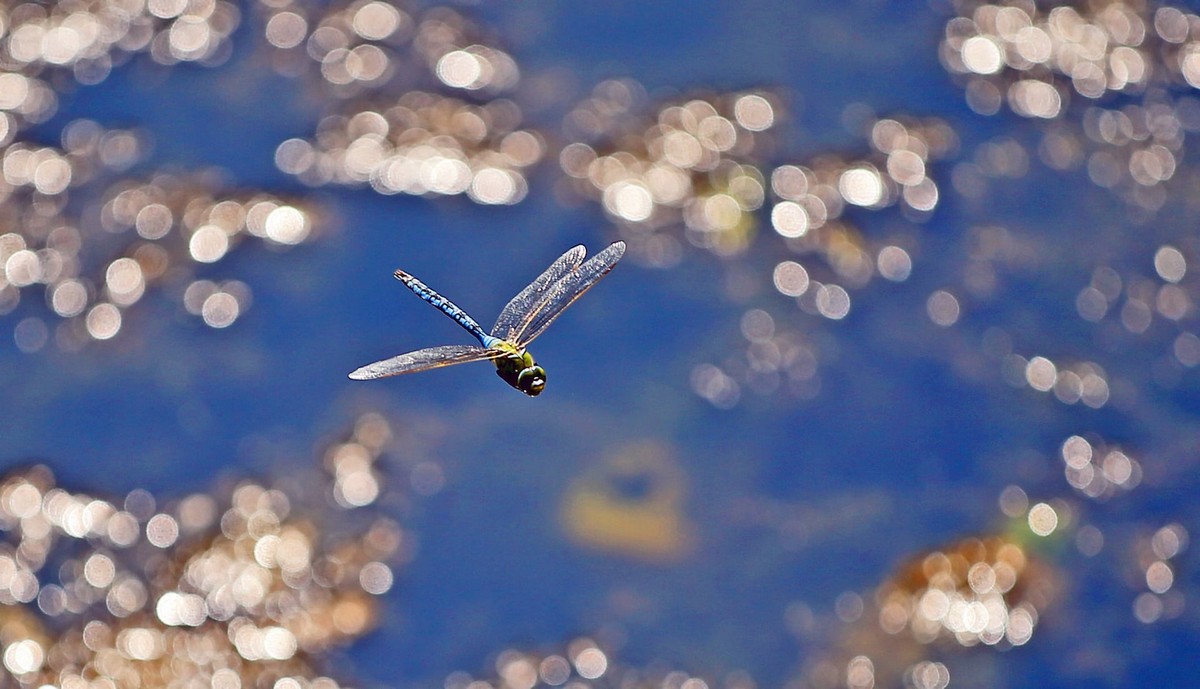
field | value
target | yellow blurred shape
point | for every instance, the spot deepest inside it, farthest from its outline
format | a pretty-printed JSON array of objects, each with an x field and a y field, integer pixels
[{"x": 631, "y": 505}]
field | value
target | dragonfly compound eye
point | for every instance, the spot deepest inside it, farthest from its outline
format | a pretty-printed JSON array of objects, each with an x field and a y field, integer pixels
[{"x": 532, "y": 380}]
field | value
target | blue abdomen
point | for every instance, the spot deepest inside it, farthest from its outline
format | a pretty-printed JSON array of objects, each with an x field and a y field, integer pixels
[{"x": 445, "y": 305}]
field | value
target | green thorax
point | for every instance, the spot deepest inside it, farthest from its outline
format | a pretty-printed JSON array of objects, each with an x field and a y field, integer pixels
[{"x": 518, "y": 368}]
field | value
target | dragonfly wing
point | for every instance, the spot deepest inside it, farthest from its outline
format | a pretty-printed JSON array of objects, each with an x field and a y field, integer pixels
[
  {"x": 521, "y": 305},
  {"x": 564, "y": 293},
  {"x": 423, "y": 360}
]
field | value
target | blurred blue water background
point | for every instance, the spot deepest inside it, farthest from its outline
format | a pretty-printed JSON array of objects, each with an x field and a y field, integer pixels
[{"x": 907, "y": 446}]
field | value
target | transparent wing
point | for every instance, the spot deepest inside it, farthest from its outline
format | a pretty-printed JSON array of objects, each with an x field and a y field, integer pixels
[
  {"x": 516, "y": 311},
  {"x": 564, "y": 293},
  {"x": 423, "y": 360}
]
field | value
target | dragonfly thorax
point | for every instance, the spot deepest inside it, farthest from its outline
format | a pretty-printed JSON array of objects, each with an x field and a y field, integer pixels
[{"x": 518, "y": 368}]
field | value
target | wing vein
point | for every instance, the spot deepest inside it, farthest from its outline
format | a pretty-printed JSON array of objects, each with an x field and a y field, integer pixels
[
  {"x": 564, "y": 293},
  {"x": 519, "y": 307},
  {"x": 423, "y": 360}
]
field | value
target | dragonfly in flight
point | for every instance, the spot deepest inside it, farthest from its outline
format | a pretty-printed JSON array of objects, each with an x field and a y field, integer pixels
[{"x": 525, "y": 317}]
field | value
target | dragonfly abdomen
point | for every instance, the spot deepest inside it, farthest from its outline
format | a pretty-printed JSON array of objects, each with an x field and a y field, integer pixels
[{"x": 445, "y": 305}]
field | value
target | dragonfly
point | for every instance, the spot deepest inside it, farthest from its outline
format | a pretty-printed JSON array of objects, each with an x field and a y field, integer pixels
[{"x": 526, "y": 316}]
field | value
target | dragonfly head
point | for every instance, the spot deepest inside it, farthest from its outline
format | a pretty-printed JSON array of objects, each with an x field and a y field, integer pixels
[
  {"x": 519, "y": 370},
  {"x": 532, "y": 380}
]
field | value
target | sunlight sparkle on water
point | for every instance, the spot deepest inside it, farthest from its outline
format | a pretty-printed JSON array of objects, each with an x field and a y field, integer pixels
[
  {"x": 198, "y": 579},
  {"x": 50, "y": 254},
  {"x": 1048, "y": 61}
]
